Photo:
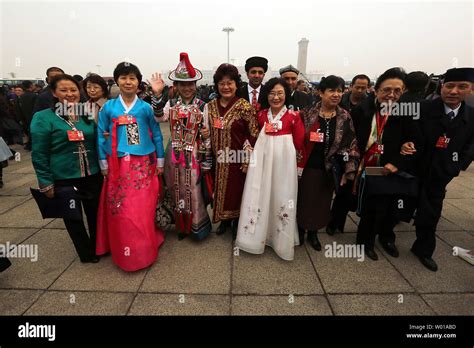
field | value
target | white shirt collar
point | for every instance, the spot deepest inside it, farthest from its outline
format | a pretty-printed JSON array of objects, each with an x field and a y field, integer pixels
[
  {"x": 447, "y": 109},
  {"x": 127, "y": 109},
  {"x": 250, "y": 89}
]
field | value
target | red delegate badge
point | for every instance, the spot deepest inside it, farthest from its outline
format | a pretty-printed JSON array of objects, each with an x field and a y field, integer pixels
[
  {"x": 443, "y": 142},
  {"x": 218, "y": 123},
  {"x": 75, "y": 135},
  {"x": 316, "y": 137},
  {"x": 126, "y": 119},
  {"x": 271, "y": 127}
]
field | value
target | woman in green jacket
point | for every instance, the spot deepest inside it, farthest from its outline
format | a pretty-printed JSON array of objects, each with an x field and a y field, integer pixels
[{"x": 64, "y": 153}]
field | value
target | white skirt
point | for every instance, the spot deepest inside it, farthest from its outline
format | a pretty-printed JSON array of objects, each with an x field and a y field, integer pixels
[
  {"x": 5, "y": 152},
  {"x": 268, "y": 210}
]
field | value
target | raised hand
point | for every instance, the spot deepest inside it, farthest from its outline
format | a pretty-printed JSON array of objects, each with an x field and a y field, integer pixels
[{"x": 157, "y": 84}]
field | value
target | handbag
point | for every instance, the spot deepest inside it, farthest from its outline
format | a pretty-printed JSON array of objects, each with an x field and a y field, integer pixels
[{"x": 65, "y": 204}]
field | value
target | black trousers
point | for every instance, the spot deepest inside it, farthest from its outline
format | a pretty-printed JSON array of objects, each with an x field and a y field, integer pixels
[
  {"x": 428, "y": 213},
  {"x": 341, "y": 206},
  {"x": 377, "y": 217},
  {"x": 88, "y": 189}
]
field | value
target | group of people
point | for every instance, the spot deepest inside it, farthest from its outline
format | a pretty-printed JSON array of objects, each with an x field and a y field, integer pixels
[{"x": 274, "y": 165}]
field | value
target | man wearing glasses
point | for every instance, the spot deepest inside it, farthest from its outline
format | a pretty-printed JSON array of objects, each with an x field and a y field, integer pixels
[{"x": 447, "y": 125}]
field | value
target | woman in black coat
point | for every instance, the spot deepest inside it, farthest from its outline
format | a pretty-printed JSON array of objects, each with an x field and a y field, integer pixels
[{"x": 381, "y": 131}]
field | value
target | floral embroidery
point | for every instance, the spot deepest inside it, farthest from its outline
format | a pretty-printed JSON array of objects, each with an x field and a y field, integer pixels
[
  {"x": 139, "y": 177},
  {"x": 283, "y": 216},
  {"x": 253, "y": 219}
]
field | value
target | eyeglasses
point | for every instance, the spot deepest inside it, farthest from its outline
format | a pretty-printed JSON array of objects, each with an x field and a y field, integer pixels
[
  {"x": 226, "y": 84},
  {"x": 388, "y": 90},
  {"x": 279, "y": 94}
]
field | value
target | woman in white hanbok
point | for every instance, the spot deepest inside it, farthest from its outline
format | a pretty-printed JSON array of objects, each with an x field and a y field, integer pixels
[{"x": 268, "y": 210}]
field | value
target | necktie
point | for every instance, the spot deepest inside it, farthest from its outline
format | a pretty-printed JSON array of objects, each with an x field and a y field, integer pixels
[
  {"x": 254, "y": 98},
  {"x": 451, "y": 115}
]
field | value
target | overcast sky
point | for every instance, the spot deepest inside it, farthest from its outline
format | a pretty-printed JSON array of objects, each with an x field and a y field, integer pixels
[{"x": 344, "y": 37}]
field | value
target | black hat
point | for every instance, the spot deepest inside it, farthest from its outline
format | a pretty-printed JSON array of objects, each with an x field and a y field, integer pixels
[
  {"x": 459, "y": 74},
  {"x": 256, "y": 62},
  {"x": 289, "y": 68}
]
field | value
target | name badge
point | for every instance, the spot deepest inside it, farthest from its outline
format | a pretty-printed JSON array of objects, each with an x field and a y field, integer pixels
[
  {"x": 443, "y": 142},
  {"x": 75, "y": 135},
  {"x": 126, "y": 119},
  {"x": 379, "y": 149},
  {"x": 316, "y": 137},
  {"x": 218, "y": 123},
  {"x": 271, "y": 127}
]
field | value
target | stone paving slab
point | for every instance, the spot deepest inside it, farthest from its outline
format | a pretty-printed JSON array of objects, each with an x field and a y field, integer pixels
[
  {"x": 453, "y": 275},
  {"x": 179, "y": 304},
  {"x": 384, "y": 304},
  {"x": 55, "y": 254},
  {"x": 16, "y": 302},
  {"x": 280, "y": 305},
  {"x": 7, "y": 202},
  {"x": 16, "y": 235},
  {"x": 14, "y": 181},
  {"x": 81, "y": 303},
  {"x": 462, "y": 239},
  {"x": 189, "y": 266},
  {"x": 451, "y": 304},
  {"x": 268, "y": 274},
  {"x": 24, "y": 215},
  {"x": 347, "y": 275},
  {"x": 101, "y": 276}
]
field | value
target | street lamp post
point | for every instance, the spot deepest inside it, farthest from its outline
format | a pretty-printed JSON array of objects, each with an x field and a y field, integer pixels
[
  {"x": 98, "y": 67},
  {"x": 228, "y": 30}
]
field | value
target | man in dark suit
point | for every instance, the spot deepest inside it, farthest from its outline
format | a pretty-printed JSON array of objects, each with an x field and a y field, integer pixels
[
  {"x": 297, "y": 100},
  {"x": 45, "y": 98},
  {"x": 26, "y": 103},
  {"x": 256, "y": 67},
  {"x": 447, "y": 126}
]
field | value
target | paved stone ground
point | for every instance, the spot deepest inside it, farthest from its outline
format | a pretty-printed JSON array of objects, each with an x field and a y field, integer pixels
[{"x": 206, "y": 278}]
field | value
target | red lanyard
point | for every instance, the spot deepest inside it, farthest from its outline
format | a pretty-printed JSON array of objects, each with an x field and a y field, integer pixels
[{"x": 380, "y": 124}]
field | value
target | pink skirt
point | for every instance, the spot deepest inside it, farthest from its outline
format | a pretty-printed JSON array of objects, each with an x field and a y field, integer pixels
[{"x": 126, "y": 218}]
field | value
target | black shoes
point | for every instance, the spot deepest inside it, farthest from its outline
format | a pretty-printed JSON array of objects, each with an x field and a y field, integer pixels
[
  {"x": 390, "y": 248},
  {"x": 331, "y": 230},
  {"x": 222, "y": 227},
  {"x": 428, "y": 262},
  {"x": 93, "y": 259},
  {"x": 313, "y": 240},
  {"x": 371, "y": 254},
  {"x": 235, "y": 225},
  {"x": 225, "y": 224},
  {"x": 301, "y": 232}
]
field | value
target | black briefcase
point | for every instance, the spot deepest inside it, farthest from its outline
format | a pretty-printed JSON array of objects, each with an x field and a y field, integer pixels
[
  {"x": 65, "y": 204},
  {"x": 399, "y": 183}
]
